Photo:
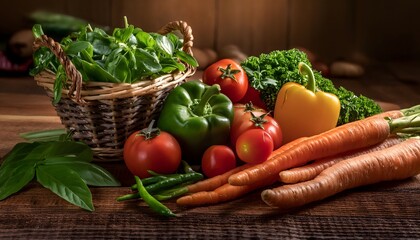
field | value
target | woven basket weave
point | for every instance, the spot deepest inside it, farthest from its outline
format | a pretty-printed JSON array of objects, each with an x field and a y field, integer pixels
[{"x": 102, "y": 114}]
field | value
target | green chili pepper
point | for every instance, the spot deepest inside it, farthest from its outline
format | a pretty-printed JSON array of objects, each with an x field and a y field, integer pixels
[
  {"x": 186, "y": 167},
  {"x": 198, "y": 116},
  {"x": 152, "y": 202},
  {"x": 150, "y": 180},
  {"x": 161, "y": 183},
  {"x": 172, "y": 181},
  {"x": 171, "y": 193}
]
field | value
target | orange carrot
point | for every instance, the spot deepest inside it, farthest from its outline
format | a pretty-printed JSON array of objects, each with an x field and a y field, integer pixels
[
  {"x": 221, "y": 194},
  {"x": 398, "y": 162},
  {"x": 310, "y": 171},
  {"x": 350, "y": 136},
  {"x": 216, "y": 189},
  {"x": 210, "y": 184},
  {"x": 217, "y": 181}
]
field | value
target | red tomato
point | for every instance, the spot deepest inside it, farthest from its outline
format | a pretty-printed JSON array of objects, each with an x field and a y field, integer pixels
[
  {"x": 242, "y": 112},
  {"x": 253, "y": 95},
  {"x": 230, "y": 76},
  {"x": 265, "y": 122},
  {"x": 160, "y": 153},
  {"x": 254, "y": 146},
  {"x": 217, "y": 159}
]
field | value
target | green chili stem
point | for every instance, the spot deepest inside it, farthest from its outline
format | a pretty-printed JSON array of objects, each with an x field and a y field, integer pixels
[
  {"x": 199, "y": 109},
  {"x": 304, "y": 69},
  {"x": 152, "y": 202},
  {"x": 187, "y": 168}
]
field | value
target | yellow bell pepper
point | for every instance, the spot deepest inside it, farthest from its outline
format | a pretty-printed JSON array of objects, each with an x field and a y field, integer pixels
[{"x": 303, "y": 111}]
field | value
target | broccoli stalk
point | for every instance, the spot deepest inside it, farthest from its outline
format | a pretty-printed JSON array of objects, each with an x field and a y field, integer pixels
[{"x": 268, "y": 72}]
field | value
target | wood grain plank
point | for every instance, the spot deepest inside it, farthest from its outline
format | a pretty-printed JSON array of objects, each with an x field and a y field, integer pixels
[
  {"x": 36, "y": 212},
  {"x": 325, "y": 27},
  {"x": 254, "y": 26},
  {"x": 26, "y": 104}
]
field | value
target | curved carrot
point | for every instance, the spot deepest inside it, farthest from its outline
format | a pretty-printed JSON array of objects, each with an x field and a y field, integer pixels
[
  {"x": 223, "y": 193},
  {"x": 216, "y": 181},
  {"x": 397, "y": 162},
  {"x": 350, "y": 136},
  {"x": 310, "y": 171}
]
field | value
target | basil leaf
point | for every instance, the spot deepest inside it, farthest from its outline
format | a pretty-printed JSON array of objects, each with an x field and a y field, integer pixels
[
  {"x": 15, "y": 175},
  {"x": 119, "y": 68},
  {"x": 165, "y": 44},
  {"x": 123, "y": 34},
  {"x": 145, "y": 40},
  {"x": 77, "y": 46},
  {"x": 58, "y": 83},
  {"x": 147, "y": 63},
  {"x": 66, "y": 183},
  {"x": 37, "y": 30},
  {"x": 92, "y": 174},
  {"x": 176, "y": 41},
  {"x": 96, "y": 73},
  {"x": 100, "y": 42},
  {"x": 170, "y": 64},
  {"x": 18, "y": 152},
  {"x": 69, "y": 148},
  {"x": 185, "y": 57}
]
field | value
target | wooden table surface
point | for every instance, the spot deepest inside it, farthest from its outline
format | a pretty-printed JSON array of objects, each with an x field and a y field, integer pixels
[{"x": 389, "y": 210}]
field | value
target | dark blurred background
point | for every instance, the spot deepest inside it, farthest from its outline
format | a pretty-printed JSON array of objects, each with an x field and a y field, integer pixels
[
  {"x": 381, "y": 29},
  {"x": 361, "y": 32}
]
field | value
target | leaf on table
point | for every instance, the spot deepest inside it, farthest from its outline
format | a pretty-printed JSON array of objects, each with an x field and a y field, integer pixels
[
  {"x": 69, "y": 148},
  {"x": 66, "y": 183},
  {"x": 18, "y": 153},
  {"x": 16, "y": 175},
  {"x": 92, "y": 174}
]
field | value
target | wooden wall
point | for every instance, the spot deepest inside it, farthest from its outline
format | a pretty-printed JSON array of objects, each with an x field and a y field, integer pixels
[{"x": 378, "y": 29}]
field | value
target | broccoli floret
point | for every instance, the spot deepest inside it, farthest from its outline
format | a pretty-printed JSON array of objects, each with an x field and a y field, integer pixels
[{"x": 268, "y": 72}]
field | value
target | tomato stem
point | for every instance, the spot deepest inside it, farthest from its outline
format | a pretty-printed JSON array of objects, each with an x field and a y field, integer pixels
[
  {"x": 150, "y": 132},
  {"x": 228, "y": 72},
  {"x": 259, "y": 121}
]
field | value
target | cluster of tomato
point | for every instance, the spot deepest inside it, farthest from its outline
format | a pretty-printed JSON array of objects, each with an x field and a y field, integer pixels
[{"x": 254, "y": 133}]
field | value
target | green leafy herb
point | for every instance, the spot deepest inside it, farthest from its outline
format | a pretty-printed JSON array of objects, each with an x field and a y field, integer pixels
[
  {"x": 64, "y": 167},
  {"x": 127, "y": 55},
  {"x": 268, "y": 72}
]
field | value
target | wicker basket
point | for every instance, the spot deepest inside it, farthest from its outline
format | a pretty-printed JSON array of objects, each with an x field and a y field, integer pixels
[{"x": 102, "y": 114}]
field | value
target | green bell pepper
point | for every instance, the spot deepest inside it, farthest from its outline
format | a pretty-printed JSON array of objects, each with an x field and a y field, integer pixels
[{"x": 198, "y": 116}]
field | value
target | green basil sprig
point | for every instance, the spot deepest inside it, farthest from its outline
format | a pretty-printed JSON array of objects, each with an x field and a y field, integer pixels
[
  {"x": 64, "y": 167},
  {"x": 126, "y": 55}
]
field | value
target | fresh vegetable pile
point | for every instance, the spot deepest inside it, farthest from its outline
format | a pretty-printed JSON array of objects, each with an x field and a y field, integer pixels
[
  {"x": 243, "y": 127},
  {"x": 269, "y": 72}
]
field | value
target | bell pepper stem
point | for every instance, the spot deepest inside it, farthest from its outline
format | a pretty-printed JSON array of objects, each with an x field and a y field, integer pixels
[
  {"x": 304, "y": 69},
  {"x": 200, "y": 108}
]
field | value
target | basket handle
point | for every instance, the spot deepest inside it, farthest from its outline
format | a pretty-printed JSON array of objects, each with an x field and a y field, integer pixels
[
  {"x": 184, "y": 29},
  {"x": 71, "y": 71}
]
